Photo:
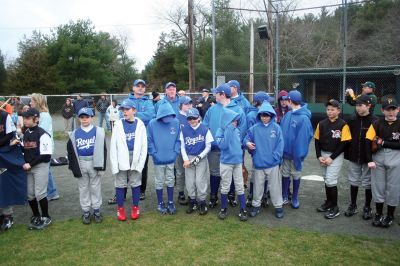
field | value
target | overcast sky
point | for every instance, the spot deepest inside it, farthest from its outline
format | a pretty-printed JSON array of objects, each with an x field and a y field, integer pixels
[{"x": 141, "y": 21}]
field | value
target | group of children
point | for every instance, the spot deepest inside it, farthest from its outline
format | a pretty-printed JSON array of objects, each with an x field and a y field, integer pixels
[{"x": 186, "y": 151}]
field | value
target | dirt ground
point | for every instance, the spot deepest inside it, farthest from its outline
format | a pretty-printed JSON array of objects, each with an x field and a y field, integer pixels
[{"x": 305, "y": 218}]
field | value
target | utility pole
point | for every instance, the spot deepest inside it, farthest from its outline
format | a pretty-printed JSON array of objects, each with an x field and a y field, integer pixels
[
  {"x": 191, "y": 47},
  {"x": 251, "y": 80},
  {"x": 270, "y": 50}
]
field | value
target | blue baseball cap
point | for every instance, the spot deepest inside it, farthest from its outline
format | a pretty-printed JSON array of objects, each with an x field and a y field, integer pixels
[
  {"x": 223, "y": 88},
  {"x": 139, "y": 81},
  {"x": 261, "y": 96},
  {"x": 85, "y": 111},
  {"x": 193, "y": 112},
  {"x": 295, "y": 96},
  {"x": 169, "y": 84},
  {"x": 127, "y": 104},
  {"x": 234, "y": 83},
  {"x": 185, "y": 100}
]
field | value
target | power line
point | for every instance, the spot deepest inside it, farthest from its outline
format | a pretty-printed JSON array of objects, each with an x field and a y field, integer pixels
[
  {"x": 296, "y": 9},
  {"x": 99, "y": 26}
]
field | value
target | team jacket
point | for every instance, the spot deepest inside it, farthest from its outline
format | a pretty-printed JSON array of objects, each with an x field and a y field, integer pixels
[
  {"x": 119, "y": 153},
  {"x": 268, "y": 140},
  {"x": 99, "y": 154},
  {"x": 251, "y": 117},
  {"x": 355, "y": 150},
  {"x": 242, "y": 102},
  {"x": 229, "y": 140},
  {"x": 145, "y": 108},
  {"x": 389, "y": 132},
  {"x": 163, "y": 138},
  {"x": 37, "y": 146},
  {"x": 331, "y": 137},
  {"x": 174, "y": 104},
  {"x": 297, "y": 133}
]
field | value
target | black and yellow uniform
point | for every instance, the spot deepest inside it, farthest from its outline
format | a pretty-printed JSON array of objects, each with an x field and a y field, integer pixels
[
  {"x": 385, "y": 180},
  {"x": 331, "y": 137}
]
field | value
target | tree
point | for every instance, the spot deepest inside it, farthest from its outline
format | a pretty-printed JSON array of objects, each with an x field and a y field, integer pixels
[{"x": 3, "y": 73}]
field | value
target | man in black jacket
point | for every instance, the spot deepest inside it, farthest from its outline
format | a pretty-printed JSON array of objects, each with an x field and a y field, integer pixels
[{"x": 101, "y": 106}]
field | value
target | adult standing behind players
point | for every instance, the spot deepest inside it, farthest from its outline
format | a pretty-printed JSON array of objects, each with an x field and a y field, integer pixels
[
  {"x": 101, "y": 106},
  {"x": 238, "y": 97},
  {"x": 145, "y": 112},
  {"x": 170, "y": 97},
  {"x": 367, "y": 89},
  {"x": 204, "y": 102}
]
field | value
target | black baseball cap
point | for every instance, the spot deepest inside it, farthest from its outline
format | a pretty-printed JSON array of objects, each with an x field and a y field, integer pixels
[
  {"x": 32, "y": 112},
  {"x": 333, "y": 103},
  {"x": 363, "y": 99},
  {"x": 389, "y": 102}
]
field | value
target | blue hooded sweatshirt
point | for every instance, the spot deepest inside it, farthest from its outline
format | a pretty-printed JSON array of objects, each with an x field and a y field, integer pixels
[
  {"x": 145, "y": 108},
  {"x": 268, "y": 139},
  {"x": 297, "y": 134},
  {"x": 212, "y": 120},
  {"x": 242, "y": 102},
  {"x": 163, "y": 138},
  {"x": 228, "y": 139},
  {"x": 242, "y": 124},
  {"x": 174, "y": 104},
  {"x": 251, "y": 117}
]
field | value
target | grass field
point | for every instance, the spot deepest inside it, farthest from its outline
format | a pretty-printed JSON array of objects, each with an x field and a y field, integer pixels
[{"x": 187, "y": 239}]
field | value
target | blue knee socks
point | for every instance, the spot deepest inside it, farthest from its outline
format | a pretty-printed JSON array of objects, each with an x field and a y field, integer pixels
[
  {"x": 120, "y": 193},
  {"x": 135, "y": 196}
]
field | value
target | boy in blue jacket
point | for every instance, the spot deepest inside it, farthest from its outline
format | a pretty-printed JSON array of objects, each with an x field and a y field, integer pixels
[
  {"x": 229, "y": 142},
  {"x": 164, "y": 146},
  {"x": 252, "y": 118},
  {"x": 298, "y": 132},
  {"x": 265, "y": 143}
]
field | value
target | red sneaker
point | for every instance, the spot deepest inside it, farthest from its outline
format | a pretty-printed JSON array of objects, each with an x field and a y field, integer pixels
[
  {"x": 121, "y": 216},
  {"x": 135, "y": 212}
]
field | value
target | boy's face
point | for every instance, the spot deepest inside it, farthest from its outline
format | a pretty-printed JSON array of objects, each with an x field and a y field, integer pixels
[
  {"x": 129, "y": 113},
  {"x": 362, "y": 109},
  {"x": 193, "y": 121},
  {"x": 186, "y": 107},
  {"x": 85, "y": 120},
  {"x": 332, "y": 112},
  {"x": 265, "y": 118},
  {"x": 390, "y": 113},
  {"x": 234, "y": 123},
  {"x": 284, "y": 103},
  {"x": 30, "y": 121}
]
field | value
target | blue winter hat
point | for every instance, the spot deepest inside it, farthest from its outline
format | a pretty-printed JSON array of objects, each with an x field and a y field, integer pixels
[
  {"x": 127, "y": 104},
  {"x": 169, "y": 84},
  {"x": 260, "y": 97},
  {"x": 295, "y": 96},
  {"x": 139, "y": 81},
  {"x": 193, "y": 112},
  {"x": 234, "y": 83},
  {"x": 185, "y": 100},
  {"x": 223, "y": 88},
  {"x": 85, "y": 111}
]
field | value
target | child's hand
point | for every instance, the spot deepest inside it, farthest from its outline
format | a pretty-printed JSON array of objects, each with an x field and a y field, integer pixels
[
  {"x": 186, "y": 164},
  {"x": 251, "y": 145},
  {"x": 322, "y": 161},
  {"x": 14, "y": 142},
  {"x": 26, "y": 166},
  {"x": 372, "y": 165},
  {"x": 328, "y": 161}
]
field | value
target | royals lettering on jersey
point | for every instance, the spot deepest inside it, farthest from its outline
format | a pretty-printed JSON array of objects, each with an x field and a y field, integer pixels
[
  {"x": 129, "y": 129},
  {"x": 194, "y": 139},
  {"x": 85, "y": 141}
]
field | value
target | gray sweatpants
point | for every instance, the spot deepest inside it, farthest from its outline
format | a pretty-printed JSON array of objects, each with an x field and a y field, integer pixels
[
  {"x": 274, "y": 186},
  {"x": 6, "y": 211},
  {"x": 359, "y": 175},
  {"x": 164, "y": 174},
  {"x": 180, "y": 174},
  {"x": 196, "y": 179},
  {"x": 227, "y": 171},
  {"x": 38, "y": 178},
  {"x": 213, "y": 162},
  {"x": 127, "y": 178},
  {"x": 385, "y": 178},
  {"x": 288, "y": 169},
  {"x": 331, "y": 172},
  {"x": 89, "y": 185}
]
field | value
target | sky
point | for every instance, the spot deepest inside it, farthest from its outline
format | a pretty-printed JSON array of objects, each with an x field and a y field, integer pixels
[{"x": 140, "y": 21}]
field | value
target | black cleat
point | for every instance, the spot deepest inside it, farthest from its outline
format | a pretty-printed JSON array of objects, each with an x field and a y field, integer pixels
[
  {"x": 324, "y": 207},
  {"x": 249, "y": 201},
  {"x": 182, "y": 200},
  {"x": 86, "y": 218},
  {"x": 367, "y": 213},
  {"x": 243, "y": 215},
  {"x": 265, "y": 201},
  {"x": 112, "y": 201},
  {"x": 332, "y": 213},
  {"x": 351, "y": 210},
  {"x": 213, "y": 201},
  {"x": 36, "y": 223},
  {"x": 232, "y": 200},
  {"x": 192, "y": 207},
  {"x": 7, "y": 222},
  {"x": 98, "y": 217},
  {"x": 142, "y": 196},
  {"x": 203, "y": 208},
  {"x": 387, "y": 221},
  {"x": 377, "y": 221},
  {"x": 222, "y": 214}
]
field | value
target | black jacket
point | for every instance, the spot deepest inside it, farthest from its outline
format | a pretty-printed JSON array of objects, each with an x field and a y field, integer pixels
[{"x": 356, "y": 151}]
